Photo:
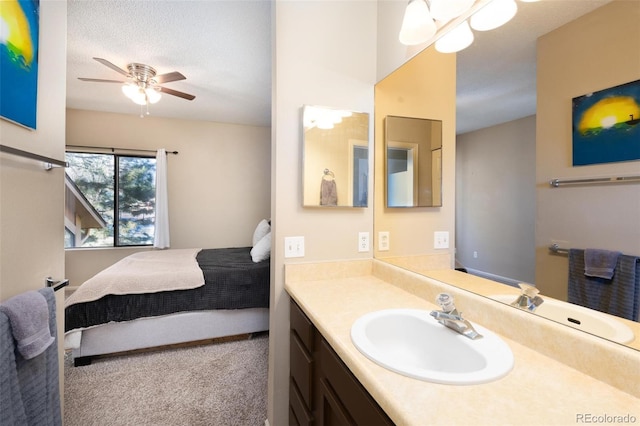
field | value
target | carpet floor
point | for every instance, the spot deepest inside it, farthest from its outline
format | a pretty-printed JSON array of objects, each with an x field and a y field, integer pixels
[{"x": 215, "y": 384}]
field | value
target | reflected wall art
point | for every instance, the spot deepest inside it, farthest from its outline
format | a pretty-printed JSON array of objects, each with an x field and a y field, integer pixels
[
  {"x": 19, "y": 32},
  {"x": 606, "y": 125}
]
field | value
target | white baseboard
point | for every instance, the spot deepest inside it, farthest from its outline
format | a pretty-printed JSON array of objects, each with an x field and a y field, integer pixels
[{"x": 504, "y": 280}]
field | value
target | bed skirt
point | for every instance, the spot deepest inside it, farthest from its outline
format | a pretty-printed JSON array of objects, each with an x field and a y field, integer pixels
[{"x": 165, "y": 330}]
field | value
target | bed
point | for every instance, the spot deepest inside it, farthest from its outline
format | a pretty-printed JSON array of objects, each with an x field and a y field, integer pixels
[{"x": 163, "y": 297}]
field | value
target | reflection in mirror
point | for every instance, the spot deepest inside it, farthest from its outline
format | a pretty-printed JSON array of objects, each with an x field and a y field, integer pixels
[
  {"x": 413, "y": 149},
  {"x": 335, "y": 157},
  {"x": 562, "y": 215}
]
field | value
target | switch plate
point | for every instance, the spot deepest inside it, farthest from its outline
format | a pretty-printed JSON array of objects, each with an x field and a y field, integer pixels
[
  {"x": 363, "y": 242},
  {"x": 383, "y": 241},
  {"x": 293, "y": 247},
  {"x": 441, "y": 240}
]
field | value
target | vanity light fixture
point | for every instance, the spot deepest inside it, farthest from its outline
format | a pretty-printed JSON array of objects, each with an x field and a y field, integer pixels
[{"x": 448, "y": 22}]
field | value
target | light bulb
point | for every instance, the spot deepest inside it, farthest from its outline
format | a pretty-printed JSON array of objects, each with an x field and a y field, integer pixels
[
  {"x": 445, "y": 10},
  {"x": 129, "y": 90},
  {"x": 153, "y": 95},
  {"x": 455, "y": 40},
  {"x": 417, "y": 25},
  {"x": 493, "y": 15},
  {"x": 139, "y": 97}
]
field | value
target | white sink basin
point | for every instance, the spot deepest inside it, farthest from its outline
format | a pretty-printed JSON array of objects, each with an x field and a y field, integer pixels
[
  {"x": 594, "y": 322},
  {"x": 414, "y": 344}
]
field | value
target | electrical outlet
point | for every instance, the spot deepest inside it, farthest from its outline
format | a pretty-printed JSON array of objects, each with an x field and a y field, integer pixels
[
  {"x": 363, "y": 242},
  {"x": 383, "y": 241},
  {"x": 441, "y": 240},
  {"x": 475, "y": 254},
  {"x": 293, "y": 247}
]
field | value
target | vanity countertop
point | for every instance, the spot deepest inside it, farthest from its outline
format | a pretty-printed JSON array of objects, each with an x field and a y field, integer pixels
[{"x": 539, "y": 390}]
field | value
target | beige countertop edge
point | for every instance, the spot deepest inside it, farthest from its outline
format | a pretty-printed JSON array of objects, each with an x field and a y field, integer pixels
[{"x": 539, "y": 389}]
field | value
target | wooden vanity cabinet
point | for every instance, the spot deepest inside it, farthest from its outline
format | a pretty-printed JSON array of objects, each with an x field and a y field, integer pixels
[{"x": 322, "y": 390}]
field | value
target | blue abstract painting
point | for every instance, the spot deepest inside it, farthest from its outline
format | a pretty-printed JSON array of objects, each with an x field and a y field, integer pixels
[
  {"x": 606, "y": 125},
  {"x": 19, "y": 37}
]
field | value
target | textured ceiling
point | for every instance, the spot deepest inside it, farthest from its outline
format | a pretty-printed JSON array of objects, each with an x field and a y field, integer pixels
[
  {"x": 222, "y": 47},
  {"x": 224, "y": 50},
  {"x": 496, "y": 77}
]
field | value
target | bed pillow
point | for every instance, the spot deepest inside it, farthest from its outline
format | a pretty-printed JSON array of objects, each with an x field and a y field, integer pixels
[
  {"x": 262, "y": 250},
  {"x": 261, "y": 230}
]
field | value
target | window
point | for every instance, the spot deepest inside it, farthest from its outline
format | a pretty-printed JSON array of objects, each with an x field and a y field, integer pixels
[{"x": 120, "y": 189}]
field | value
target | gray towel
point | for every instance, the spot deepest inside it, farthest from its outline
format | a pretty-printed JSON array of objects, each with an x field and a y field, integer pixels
[
  {"x": 600, "y": 263},
  {"x": 29, "y": 316},
  {"x": 328, "y": 193},
  {"x": 30, "y": 387},
  {"x": 619, "y": 296}
]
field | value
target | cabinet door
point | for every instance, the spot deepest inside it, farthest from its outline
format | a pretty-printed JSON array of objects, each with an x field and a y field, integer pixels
[
  {"x": 361, "y": 406},
  {"x": 332, "y": 412}
]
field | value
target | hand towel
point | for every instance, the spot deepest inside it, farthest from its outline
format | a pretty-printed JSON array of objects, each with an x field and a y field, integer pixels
[
  {"x": 29, "y": 316},
  {"x": 600, "y": 263}
]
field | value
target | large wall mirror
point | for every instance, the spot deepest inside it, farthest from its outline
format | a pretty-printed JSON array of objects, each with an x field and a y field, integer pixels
[
  {"x": 555, "y": 213},
  {"x": 413, "y": 172},
  {"x": 335, "y": 157}
]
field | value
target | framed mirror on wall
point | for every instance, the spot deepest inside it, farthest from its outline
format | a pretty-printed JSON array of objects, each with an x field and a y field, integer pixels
[
  {"x": 413, "y": 162},
  {"x": 335, "y": 157}
]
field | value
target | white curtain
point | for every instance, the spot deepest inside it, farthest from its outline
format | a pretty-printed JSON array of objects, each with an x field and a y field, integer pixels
[{"x": 161, "y": 239}]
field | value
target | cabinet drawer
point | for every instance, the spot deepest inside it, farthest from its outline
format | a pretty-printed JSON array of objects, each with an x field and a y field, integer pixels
[
  {"x": 299, "y": 413},
  {"x": 301, "y": 368},
  {"x": 361, "y": 406},
  {"x": 302, "y": 326}
]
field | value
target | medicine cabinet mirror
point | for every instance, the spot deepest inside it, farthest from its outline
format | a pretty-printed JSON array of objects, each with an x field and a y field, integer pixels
[
  {"x": 335, "y": 157},
  {"x": 413, "y": 162}
]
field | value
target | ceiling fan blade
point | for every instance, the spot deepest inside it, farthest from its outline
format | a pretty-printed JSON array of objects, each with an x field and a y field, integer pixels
[
  {"x": 99, "y": 80},
  {"x": 171, "y": 76},
  {"x": 176, "y": 93},
  {"x": 112, "y": 66}
]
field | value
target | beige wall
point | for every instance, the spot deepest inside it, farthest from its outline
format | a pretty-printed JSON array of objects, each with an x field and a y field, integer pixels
[
  {"x": 410, "y": 91},
  {"x": 219, "y": 187},
  {"x": 32, "y": 199},
  {"x": 589, "y": 54},
  {"x": 324, "y": 54},
  {"x": 496, "y": 199}
]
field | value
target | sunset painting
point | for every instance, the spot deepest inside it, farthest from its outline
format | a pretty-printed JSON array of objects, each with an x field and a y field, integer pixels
[
  {"x": 19, "y": 32},
  {"x": 606, "y": 125}
]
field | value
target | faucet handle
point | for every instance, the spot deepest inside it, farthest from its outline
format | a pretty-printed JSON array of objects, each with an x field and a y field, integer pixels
[
  {"x": 528, "y": 290},
  {"x": 445, "y": 300}
]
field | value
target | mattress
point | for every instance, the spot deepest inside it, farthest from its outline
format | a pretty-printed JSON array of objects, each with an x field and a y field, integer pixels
[{"x": 232, "y": 281}]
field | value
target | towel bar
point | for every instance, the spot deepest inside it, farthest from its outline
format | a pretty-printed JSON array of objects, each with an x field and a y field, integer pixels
[
  {"x": 615, "y": 179},
  {"x": 56, "y": 285},
  {"x": 555, "y": 248}
]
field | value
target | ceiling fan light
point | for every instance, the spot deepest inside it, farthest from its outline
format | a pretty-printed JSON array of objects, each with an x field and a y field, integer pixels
[
  {"x": 417, "y": 25},
  {"x": 129, "y": 90},
  {"x": 140, "y": 97},
  {"x": 494, "y": 15},
  {"x": 455, "y": 40},
  {"x": 153, "y": 95},
  {"x": 446, "y": 10}
]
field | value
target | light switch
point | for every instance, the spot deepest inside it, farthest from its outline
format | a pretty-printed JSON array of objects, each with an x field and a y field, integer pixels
[
  {"x": 293, "y": 247},
  {"x": 441, "y": 240}
]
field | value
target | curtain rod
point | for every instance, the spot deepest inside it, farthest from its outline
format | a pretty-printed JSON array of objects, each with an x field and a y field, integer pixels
[{"x": 112, "y": 149}]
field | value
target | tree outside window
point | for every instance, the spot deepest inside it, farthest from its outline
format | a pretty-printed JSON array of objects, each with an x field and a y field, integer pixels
[{"x": 122, "y": 189}]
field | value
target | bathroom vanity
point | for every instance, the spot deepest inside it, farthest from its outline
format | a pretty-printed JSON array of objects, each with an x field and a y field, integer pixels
[{"x": 540, "y": 389}]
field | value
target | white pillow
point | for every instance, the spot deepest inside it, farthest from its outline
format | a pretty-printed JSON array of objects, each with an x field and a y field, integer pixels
[
  {"x": 262, "y": 250},
  {"x": 261, "y": 230}
]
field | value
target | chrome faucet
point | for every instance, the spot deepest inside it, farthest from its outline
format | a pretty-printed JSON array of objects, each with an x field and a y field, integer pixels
[
  {"x": 451, "y": 318},
  {"x": 529, "y": 300}
]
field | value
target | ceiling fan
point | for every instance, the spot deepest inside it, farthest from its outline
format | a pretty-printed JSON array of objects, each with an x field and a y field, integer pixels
[{"x": 142, "y": 85}]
